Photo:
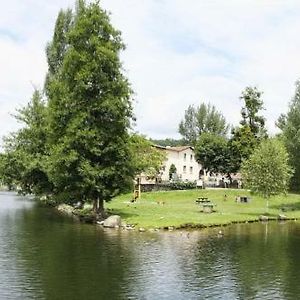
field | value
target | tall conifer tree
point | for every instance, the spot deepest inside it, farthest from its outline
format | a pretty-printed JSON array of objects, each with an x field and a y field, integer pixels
[{"x": 89, "y": 108}]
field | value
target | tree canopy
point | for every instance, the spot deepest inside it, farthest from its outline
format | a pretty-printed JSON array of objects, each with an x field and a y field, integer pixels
[
  {"x": 202, "y": 119},
  {"x": 75, "y": 143},
  {"x": 290, "y": 125},
  {"x": 212, "y": 152},
  {"x": 253, "y": 103},
  {"x": 145, "y": 157},
  {"x": 267, "y": 171}
]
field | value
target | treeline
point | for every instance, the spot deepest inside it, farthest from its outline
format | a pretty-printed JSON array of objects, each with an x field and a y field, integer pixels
[
  {"x": 75, "y": 143},
  {"x": 222, "y": 148}
]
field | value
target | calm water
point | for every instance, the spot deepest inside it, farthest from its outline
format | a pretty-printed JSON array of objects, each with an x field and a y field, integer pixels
[{"x": 46, "y": 256}]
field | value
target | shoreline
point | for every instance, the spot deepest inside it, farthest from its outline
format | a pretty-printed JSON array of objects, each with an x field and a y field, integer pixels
[{"x": 70, "y": 211}]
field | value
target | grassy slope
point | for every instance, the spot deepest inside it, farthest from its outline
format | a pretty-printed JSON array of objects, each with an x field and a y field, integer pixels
[{"x": 180, "y": 208}]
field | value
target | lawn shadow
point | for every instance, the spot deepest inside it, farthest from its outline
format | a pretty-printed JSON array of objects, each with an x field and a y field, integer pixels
[
  {"x": 121, "y": 213},
  {"x": 287, "y": 206}
]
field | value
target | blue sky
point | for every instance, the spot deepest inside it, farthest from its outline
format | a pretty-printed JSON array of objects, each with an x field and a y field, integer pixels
[{"x": 179, "y": 52}]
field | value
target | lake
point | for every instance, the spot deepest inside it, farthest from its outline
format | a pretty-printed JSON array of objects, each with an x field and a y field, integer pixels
[{"x": 44, "y": 255}]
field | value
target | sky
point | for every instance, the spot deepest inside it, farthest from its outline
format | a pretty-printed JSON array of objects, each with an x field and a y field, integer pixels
[{"x": 179, "y": 53}]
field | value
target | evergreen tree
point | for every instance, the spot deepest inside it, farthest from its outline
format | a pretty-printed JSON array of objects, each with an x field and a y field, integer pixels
[
  {"x": 252, "y": 105},
  {"x": 89, "y": 108},
  {"x": 247, "y": 137}
]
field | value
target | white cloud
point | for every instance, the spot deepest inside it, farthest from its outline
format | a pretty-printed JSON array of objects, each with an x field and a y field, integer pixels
[{"x": 178, "y": 53}]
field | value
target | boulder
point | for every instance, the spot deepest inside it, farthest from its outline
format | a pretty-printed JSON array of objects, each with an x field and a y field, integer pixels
[
  {"x": 282, "y": 217},
  {"x": 112, "y": 222},
  {"x": 263, "y": 218}
]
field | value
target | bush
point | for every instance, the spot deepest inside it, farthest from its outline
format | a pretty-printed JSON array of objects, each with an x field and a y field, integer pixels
[{"x": 182, "y": 185}]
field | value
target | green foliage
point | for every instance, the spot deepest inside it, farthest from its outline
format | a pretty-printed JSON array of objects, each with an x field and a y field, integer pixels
[
  {"x": 267, "y": 171},
  {"x": 212, "y": 152},
  {"x": 172, "y": 171},
  {"x": 202, "y": 119},
  {"x": 169, "y": 142},
  {"x": 253, "y": 104},
  {"x": 240, "y": 147},
  {"x": 290, "y": 126},
  {"x": 247, "y": 137},
  {"x": 89, "y": 107},
  {"x": 75, "y": 146},
  {"x": 182, "y": 185},
  {"x": 145, "y": 157},
  {"x": 22, "y": 163}
]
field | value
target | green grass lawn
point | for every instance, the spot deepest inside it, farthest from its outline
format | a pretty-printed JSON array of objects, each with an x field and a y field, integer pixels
[{"x": 177, "y": 208}]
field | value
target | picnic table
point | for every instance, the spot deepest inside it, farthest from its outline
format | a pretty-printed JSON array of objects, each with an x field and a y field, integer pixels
[{"x": 201, "y": 200}]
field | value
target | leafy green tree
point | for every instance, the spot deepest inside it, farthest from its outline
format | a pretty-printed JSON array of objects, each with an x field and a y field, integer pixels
[
  {"x": 240, "y": 146},
  {"x": 169, "y": 142},
  {"x": 89, "y": 109},
  {"x": 26, "y": 150},
  {"x": 172, "y": 171},
  {"x": 204, "y": 118},
  {"x": 267, "y": 171},
  {"x": 290, "y": 126},
  {"x": 145, "y": 157},
  {"x": 212, "y": 152}
]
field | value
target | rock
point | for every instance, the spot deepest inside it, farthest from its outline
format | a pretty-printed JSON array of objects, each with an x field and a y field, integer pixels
[
  {"x": 263, "y": 218},
  {"x": 170, "y": 228},
  {"x": 66, "y": 209},
  {"x": 100, "y": 222},
  {"x": 282, "y": 217},
  {"x": 112, "y": 221},
  {"x": 141, "y": 229},
  {"x": 129, "y": 226}
]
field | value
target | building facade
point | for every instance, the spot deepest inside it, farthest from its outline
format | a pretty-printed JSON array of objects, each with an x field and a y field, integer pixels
[{"x": 183, "y": 158}]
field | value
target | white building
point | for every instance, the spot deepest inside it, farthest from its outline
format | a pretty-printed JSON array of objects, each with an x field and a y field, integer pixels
[{"x": 183, "y": 158}]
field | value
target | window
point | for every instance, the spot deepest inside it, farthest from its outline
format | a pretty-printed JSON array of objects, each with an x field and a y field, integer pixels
[
  {"x": 184, "y": 169},
  {"x": 191, "y": 170},
  {"x": 184, "y": 156},
  {"x": 191, "y": 157}
]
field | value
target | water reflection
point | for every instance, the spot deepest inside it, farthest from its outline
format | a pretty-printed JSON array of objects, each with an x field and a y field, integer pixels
[{"x": 46, "y": 256}]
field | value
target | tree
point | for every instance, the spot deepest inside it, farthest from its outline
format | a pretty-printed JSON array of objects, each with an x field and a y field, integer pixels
[
  {"x": 145, "y": 157},
  {"x": 204, "y": 118},
  {"x": 246, "y": 138},
  {"x": 240, "y": 147},
  {"x": 169, "y": 142},
  {"x": 267, "y": 171},
  {"x": 211, "y": 151},
  {"x": 172, "y": 171},
  {"x": 26, "y": 150},
  {"x": 290, "y": 127},
  {"x": 89, "y": 109},
  {"x": 252, "y": 105}
]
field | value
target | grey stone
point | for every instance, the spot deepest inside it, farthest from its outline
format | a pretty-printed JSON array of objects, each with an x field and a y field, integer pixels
[
  {"x": 263, "y": 218},
  {"x": 282, "y": 217},
  {"x": 112, "y": 222}
]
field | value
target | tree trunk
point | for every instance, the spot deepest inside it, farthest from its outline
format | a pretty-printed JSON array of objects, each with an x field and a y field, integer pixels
[
  {"x": 98, "y": 207},
  {"x": 267, "y": 205}
]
